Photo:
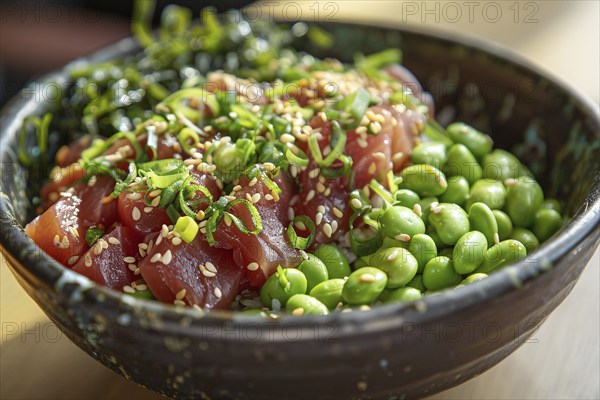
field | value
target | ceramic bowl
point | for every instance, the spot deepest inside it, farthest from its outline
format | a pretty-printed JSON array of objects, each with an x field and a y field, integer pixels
[{"x": 390, "y": 352}]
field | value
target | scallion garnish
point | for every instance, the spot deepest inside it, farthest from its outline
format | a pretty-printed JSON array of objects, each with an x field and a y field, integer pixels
[
  {"x": 187, "y": 228},
  {"x": 93, "y": 234},
  {"x": 41, "y": 126},
  {"x": 296, "y": 240}
]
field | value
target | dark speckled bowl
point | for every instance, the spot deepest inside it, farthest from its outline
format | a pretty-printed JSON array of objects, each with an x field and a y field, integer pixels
[{"x": 396, "y": 351}]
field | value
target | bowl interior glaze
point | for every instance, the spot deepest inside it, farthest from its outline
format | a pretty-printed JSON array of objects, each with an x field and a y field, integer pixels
[{"x": 389, "y": 352}]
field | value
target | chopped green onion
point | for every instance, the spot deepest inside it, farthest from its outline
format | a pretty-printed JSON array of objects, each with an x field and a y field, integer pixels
[
  {"x": 297, "y": 241},
  {"x": 296, "y": 157},
  {"x": 436, "y": 133},
  {"x": 172, "y": 213},
  {"x": 122, "y": 185},
  {"x": 169, "y": 193},
  {"x": 41, "y": 126},
  {"x": 184, "y": 137},
  {"x": 142, "y": 18},
  {"x": 379, "y": 60},
  {"x": 93, "y": 234},
  {"x": 176, "y": 103},
  {"x": 220, "y": 208},
  {"x": 187, "y": 228},
  {"x": 320, "y": 37},
  {"x": 335, "y": 172},
  {"x": 362, "y": 247},
  {"x": 381, "y": 191},
  {"x": 355, "y": 105},
  {"x": 99, "y": 146},
  {"x": 192, "y": 189}
]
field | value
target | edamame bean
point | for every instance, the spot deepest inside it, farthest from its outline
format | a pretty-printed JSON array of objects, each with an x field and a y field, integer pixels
[
  {"x": 423, "y": 248},
  {"x": 282, "y": 285},
  {"x": 431, "y": 153},
  {"x": 505, "y": 225},
  {"x": 473, "y": 278},
  {"x": 552, "y": 204},
  {"x": 461, "y": 162},
  {"x": 523, "y": 201},
  {"x": 439, "y": 273},
  {"x": 389, "y": 242},
  {"x": 450, "y": 222},
  {"x": 525, "y": 236},
  {"x": 329, "y": 292},
  {"x": 504, "y": 253},
  {"x": 399, "y": 265},
  {"x": 447, "y": 252},
  {"x": 424, "y": 179},
  {"x": 406, "y": 198},
  {"x": 458, "y": 191},
  {"x": 489, "y": 192},
  {"x": 482, "y": 219},
  {"x": 335, "y": 261},
  {"x": 401, "y": 223},
  {"x": 547, "y": 222},
  {"x": 469, "y": 252},
  {"x": 425, "y": 205},
  {"x": 303, "y": 304},
  {"x": 501, "y": 165},
  {"x": 477, "y": 142},
  {"x": 404, "y": 294},
  {"x": 436, "y": 238},
  {"x": 417, "y": 283},
  {"x": 314, "y": 270},
  {"x": 364, "y": 286}
]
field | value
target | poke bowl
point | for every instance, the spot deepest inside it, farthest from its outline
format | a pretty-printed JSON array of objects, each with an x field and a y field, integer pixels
[{"x": 398, "y": 350}]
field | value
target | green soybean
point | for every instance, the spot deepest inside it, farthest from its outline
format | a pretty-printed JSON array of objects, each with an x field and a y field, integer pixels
[
  {"x": 439, "y": 273},
  {"x": 389, "y": 242},
  {"x": 547, "y": 222},
  {"x": 282, "y": 285},
  {"x": 473, "y": 278},
  {"x": 450, "y": 222},
  {"x": 406, "y": 198},
  {"x": 477, "y": 142},
  {"x": 314, "y": 270},
  {"x": 501, "y": 165},
  {"x": 504, "y": 253},
  {"x": 436, "y": 238},
  {"x": 329, "y": 292},
  {"x": 431, "y": 153},
  {"x": 462, "y": 162},
  {"x": 482, "y": 219},
  {"x": 417, "y": 283},
  {"x": 399, "y": 265},
  {"x": 447, "y": 252},
  {"x": 505, "y": 225},
  {"x": 423, "y": 248},
  {"x": 525, "y": 236},
  {"x": 364, "y": 286},
  {"x": 335, "y": 261},
  {"x": 492, "y": 193},
  {"x": 469, "y": 252},
  {"x": 552, "y": 204},
  {"x": 424, "y": 179},
  {"x": 398, "y": 221},
  {"x": 302, "y": 304},
  {"x": 425, "y": 205},
  {"x": 523, "y": 201},
  {"x": 458, "y": 191},
  {"x": 403, "y": 294}
]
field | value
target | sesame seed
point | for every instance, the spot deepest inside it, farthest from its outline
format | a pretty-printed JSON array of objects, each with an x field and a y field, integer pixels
[
  {"x": 255, "y": 197},
  {"x": 208, "y": 274},
  {"x": 210, "y": 266},
  {"x": 66, "y": 194},
  {"x": 73, "y": 260},
  {"x": 143, "y": 246},
  {"x": 361, "y": 130},
  {"x": 237, "y": 188},
  {"x": 314, "y": 173},
  {"x": 113, "y": 240},
  {"x": 148, "y": 209},
  {"x": 310, "y": 195},
  {"x": 128, "y": 289},
  {"x": 304, "y": 255},
  {"x": 375, "y": 127},
  {"x": 87, "y": 260},
  {"x": 200, "y": 215},
  {"x": 74, "y": 231},
  {"x": 253, "y": 266},
  {"x": 132, "y": 267},
  {"x": 202, "y": 223},
  {"x": 397, "y": 157},
  {"x": 337, "y": 212},
  {"x": 154, "y": 193},
  {"x": 379, "y": 155},
  {"x": 167, "y": 257},
  {"x": 135, "y": 214},
  {"x": 356, "y": 203},
  {"x": 321, "y": 208},
  {"x": 300, "y": 225},
  {"x": 65, "y": 242},
  {"x": 176, "y": 241},
  {"x": 318, "y": 218},
  {"x": 155, "y": 202},
  {"x": 403, "y": 237},
  {"x": 159, "y": 239},
  {"x": 232, "y": 198},
  {"x": 179, "y": 303},
  {"x": 290, "y": 213},
  {"x": 181, "y": 294},
  {"x": 218, "y": 293},
  {"x": 366, "y": 278},
  {"x": 287, "y": 138},
  {"x": 134, "y": 196},
  {"x": 372, "y": 168},
  {"x": 327, "y": 192},
  {"x": 362, "y": 143},
  {"x": 268, "y": 196},
  {"x": 334, "y": 225},
  {"x": 141, "y": 287},
  {"x": 320, "y": 187},
  {"x": 156, "y": 257},
  {"x": 129, "y": 260},
  {"x": 327, "y": 230},
  {"x": 298, "y": 311},
  {"x": 253, "y": 182}
]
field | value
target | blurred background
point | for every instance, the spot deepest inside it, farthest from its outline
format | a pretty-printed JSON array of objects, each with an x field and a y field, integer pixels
[{"x": 560, "y": 361}]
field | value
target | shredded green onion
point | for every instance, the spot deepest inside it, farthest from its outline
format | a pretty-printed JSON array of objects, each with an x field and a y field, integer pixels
[
  {"x": 41, "y": 126},
  {"x": 297, "y": 241},
  {"x": 187, "y": 228},
  {"x": 93, "y": 234}
]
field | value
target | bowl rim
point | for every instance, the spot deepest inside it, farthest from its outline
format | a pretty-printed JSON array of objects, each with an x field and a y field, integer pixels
[{"x": 585, "y": 221}]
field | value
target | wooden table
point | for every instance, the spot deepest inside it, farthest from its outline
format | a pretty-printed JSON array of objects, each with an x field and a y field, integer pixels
[{"x": 561, "y": 361}]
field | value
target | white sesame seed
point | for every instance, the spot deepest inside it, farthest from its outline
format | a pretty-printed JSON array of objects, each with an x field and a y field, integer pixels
[
  {"x": 314, "y": 173},
  {"x": 362, "y": 143},
  {"x": 88, "y": 260},
  {"x": 300, "y": 225},
  {"x": 181, "y": 294},
  {"x": 167, "y": 257},
  {"x": 397, "y": 157},
  {"x": 218, "y": 293},
  {"x": 379, "y": 155},
  {"x": 255, "y": 197},
  {"x": 155, "y": 202},
  {"x": 253, "y": 266},
  {"x": 180, "y": 303},
  {"x": 269, "y": 196},
  {"x": 154, "y": 193},
  {"x": 159, "y": 239},
  {"x": 132, "y": 267},
  {"x": 134, "y": 196},
  {"x": 327, "y": 230},
  {"x": 310, "y": 195},
  {"x": 128, "y": 289},
  {"x": 287, "y": 138},
  {"x": 320, "y": 187},
  {"x": 269, "y": 166},
  {"x": 156, "y": 257},
  {"x": 129, "y": 260},
  {"x": 372, "y": 168},
  {"x": 210, "y": 266},
  {"x": 321, "y": 208},
  {"x": 356, "y": 203},
  {"x": 176, "y": 241},
  {"x": 135, "y": 214},
  {"x": 253, "y": 182},
  {"x": 72, "y": 260},
  {"x": 74, "y": 231},
  {"x": 148, "y": 209},
  {"x": 318, "y": 218},
  {"x": 337, "y": 212},
  {"x": 334, "y": 225},
  {"x": 113, "y": 240}
]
